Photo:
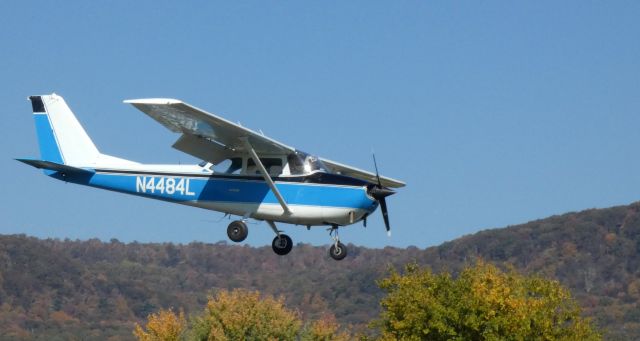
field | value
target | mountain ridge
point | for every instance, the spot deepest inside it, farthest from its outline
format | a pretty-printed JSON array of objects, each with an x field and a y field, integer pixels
[{"x": 86, "y": 289}]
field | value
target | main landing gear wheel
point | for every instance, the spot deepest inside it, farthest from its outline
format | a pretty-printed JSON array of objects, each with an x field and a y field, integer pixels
[
  {"x": 338, "y": 251},
  {"x": 282, "y": 244},
  {"x": 237, "y": 231}
]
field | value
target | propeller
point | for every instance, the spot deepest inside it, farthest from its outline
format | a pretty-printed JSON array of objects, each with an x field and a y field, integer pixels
[{"x": 379, "y": 193}]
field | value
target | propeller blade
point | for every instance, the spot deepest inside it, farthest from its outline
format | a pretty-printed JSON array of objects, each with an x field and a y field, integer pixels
[
  {"x": 385, "y": 214},
  {"x": 375, "y": 164},
  {"x": 380, "y": 193}
]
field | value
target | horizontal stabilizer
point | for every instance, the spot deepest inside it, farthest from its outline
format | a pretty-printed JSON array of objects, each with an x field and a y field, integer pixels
[{"x": 56, "y": 167}]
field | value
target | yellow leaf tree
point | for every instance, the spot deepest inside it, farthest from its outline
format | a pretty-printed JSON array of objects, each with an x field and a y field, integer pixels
[
  {"x": 164, "y": 325},
  {"x": 246, "y": 315},
  {"x": 325, "y": 329},
  {"x": 482, "y": 303}
]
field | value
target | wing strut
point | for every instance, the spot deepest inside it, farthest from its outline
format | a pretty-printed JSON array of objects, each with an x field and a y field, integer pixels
[{"x": 266, "y": 176}]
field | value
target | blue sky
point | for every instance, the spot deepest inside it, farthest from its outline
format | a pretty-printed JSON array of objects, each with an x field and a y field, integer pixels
[{"x": 494, "y": 113}]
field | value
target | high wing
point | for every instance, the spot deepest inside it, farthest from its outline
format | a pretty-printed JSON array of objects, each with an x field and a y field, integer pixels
[
  {"x": 205, "y": 135},
  {"x": 212, "y": 138},
  {"x": 336, "y": 167}
]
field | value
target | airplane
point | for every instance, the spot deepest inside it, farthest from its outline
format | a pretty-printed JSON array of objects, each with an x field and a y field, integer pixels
[{"x": 244, "y": 173}]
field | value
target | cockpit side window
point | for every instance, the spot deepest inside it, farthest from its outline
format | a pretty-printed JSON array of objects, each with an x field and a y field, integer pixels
[
  {"x": 235, "y": 167},
  {"x": 228, "y": 166},
  {"x": 272, "y": 165}
]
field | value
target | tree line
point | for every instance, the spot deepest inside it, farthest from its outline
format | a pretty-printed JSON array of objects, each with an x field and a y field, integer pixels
[
  {"x": 70, "y": 289},
  {"x": 482, "y": 303}
]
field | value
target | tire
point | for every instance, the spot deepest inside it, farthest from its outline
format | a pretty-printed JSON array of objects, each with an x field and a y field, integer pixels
[
  {"x": 282, "y": 245},
  {"x": 338, "y": 253},
  {"x": 237, "y": 231}
]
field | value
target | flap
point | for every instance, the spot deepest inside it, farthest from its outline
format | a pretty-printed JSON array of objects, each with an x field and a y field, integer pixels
[{"x": 203, "y": 148}]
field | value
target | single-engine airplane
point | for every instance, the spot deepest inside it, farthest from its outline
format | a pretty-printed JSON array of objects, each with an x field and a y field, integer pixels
[{"x": 244, "y": 173}]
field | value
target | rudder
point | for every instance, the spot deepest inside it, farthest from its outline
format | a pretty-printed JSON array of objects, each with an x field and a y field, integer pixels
[{"x": 61, "y": 138}]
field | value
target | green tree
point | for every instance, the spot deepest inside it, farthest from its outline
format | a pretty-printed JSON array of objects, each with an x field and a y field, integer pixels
[{"x": 482, "y": 303}]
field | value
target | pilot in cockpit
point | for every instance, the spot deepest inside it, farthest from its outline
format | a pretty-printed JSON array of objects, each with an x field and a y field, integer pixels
[{"x": 301, "y": 163}]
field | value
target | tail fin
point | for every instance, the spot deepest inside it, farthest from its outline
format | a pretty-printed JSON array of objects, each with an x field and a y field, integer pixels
[{"x": 61, "y": 137}]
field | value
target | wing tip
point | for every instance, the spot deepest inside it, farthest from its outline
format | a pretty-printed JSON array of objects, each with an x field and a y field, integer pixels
[
  {"x": 392, "y": 182},
  {"x": 156, "y": 101}
]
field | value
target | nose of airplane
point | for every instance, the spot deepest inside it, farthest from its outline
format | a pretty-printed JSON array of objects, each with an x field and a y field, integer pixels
[{"x": 379, "y": 193}]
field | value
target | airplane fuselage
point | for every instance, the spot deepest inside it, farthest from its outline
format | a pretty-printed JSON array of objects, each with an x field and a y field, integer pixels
[
  {"x": 243, "y": 173},
  {"x": 315, "y": 199}
]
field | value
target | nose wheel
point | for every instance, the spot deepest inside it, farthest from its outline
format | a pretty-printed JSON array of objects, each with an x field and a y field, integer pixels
[
  {"x": 338, "y": 250},
  {"x": 237, "y": 231}
]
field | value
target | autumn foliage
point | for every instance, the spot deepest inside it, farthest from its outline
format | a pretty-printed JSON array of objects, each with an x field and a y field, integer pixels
[
  {"x": 482, "y": 303},
  {"x": 164, "y": 325},
  {"x": 325, "y": 329},
  {"x": 246, "y": 315},
  {"x": 240, "y": 315},
  {"x": 96, "y": 290}
]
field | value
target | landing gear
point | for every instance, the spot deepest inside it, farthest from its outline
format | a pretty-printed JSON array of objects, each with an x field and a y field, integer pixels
[
  {"x": 337, "y": 251},
  {"x": 282, "y": 244},
  {"x": 237, "y": 231}
]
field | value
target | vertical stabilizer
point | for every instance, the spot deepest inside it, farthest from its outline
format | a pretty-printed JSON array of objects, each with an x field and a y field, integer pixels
[{"x": 61, "y": 137}]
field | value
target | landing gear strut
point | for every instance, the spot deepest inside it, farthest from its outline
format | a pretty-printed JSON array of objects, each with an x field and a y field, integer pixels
[
  {"x": 282, "y": 244},
  {"x": 237, "y": 231},
  {"x": 337, "y": 251}
]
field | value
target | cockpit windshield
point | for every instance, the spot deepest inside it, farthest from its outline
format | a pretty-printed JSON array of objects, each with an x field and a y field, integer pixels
[{"x": 303, "y": 163}]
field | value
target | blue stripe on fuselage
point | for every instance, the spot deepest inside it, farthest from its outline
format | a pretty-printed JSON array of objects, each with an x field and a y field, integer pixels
[{"x": 185, "y": 189}]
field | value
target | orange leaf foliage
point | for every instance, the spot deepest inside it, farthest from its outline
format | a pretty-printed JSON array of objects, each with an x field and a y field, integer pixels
[{"x": 164, "y": 325}]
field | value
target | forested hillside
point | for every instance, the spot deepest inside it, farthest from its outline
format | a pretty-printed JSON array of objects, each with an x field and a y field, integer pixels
[{"x": 91, "y": 289}]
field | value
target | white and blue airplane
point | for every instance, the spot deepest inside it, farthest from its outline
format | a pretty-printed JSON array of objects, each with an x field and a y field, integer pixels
[{"x": 244, "y": 173}]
